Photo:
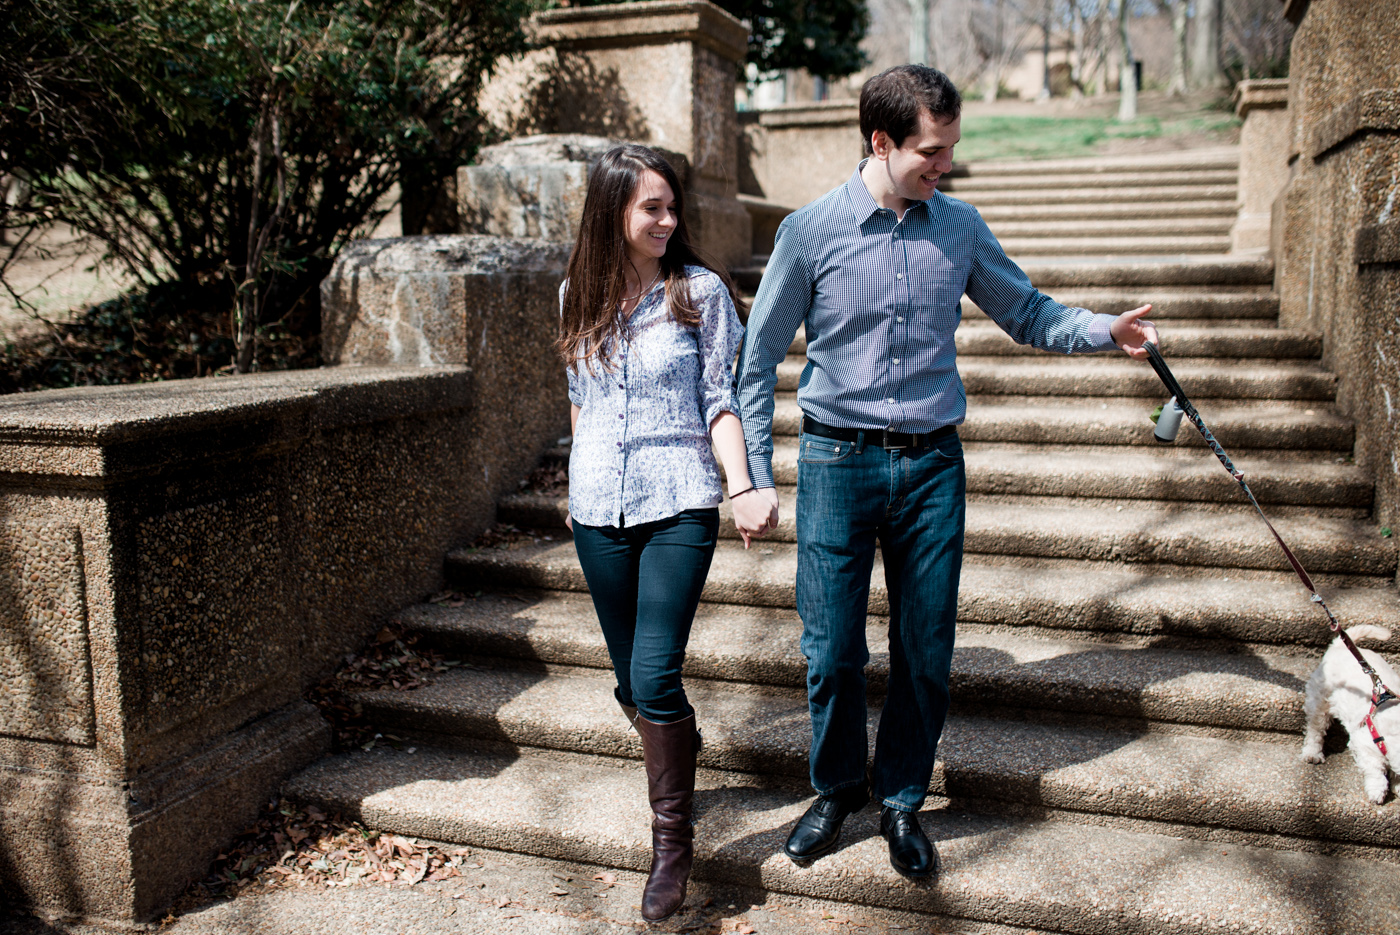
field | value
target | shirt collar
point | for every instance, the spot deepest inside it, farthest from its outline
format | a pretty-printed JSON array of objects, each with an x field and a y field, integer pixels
[{"x": 863, "y": 203}]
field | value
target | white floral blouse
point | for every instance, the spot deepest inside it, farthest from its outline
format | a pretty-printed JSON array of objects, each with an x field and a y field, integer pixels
[{"x": 641, "y": 448}]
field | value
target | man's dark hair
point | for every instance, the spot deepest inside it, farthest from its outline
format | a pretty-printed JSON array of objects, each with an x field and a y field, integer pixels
[{"x": 891, "y": 101}]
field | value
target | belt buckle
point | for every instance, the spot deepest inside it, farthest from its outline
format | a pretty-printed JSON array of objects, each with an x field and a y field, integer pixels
[{"x": 885, "y": 442}]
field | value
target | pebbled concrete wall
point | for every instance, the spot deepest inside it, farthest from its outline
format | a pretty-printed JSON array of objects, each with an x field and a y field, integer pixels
[
  {"x": 178, "y": 561},
  {"x": 1334, "y": 225}
]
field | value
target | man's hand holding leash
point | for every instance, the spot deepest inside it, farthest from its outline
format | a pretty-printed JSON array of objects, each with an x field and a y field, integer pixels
[{"x": 1130, "y": 332}]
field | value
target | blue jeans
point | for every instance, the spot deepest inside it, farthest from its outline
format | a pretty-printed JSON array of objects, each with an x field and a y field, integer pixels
[
  {"x": 913, "y": 501},
  {"x": 645, "y": 582}
]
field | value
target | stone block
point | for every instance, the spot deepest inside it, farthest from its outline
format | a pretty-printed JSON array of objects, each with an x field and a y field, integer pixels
[
  {"x": 535, "y": 186},
  {"x": 543, "y": 201},
  {"x": 823, "y": 138},
  {"x": 179, "y": 561},
  {"x": 658, "y": 73},
  {"x": 1263, "y": 106}
]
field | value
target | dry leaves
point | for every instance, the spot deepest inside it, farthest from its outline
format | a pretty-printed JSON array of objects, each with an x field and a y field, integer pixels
[
  {"x": 304, "y": 847},
  {"x": 504, "y": 537},
  {"x": 551, "y": 481},
  {"x": 395, "y": 659}
]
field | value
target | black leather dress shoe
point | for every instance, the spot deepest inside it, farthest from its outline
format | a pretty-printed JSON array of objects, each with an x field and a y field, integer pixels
[
  {"x": 818, "y": 829},
  {"x": 911, "y": 852}
]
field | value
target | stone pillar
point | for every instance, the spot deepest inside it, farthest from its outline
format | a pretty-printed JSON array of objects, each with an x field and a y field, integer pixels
[
  {"x": 659, "y": 73},
  {"x": 1337, "y": 263},
  {"x": 1262, "y": 105}
]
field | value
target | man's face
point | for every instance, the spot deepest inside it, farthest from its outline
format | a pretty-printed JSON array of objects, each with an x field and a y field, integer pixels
[{"x": 913, "y": 168}]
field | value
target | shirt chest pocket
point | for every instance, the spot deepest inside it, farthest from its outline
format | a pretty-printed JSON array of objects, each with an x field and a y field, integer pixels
[{"x": 935, "y": 301}]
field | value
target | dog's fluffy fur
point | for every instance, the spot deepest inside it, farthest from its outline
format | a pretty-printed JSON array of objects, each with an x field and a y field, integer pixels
[{"x": 1339, "y": 689}]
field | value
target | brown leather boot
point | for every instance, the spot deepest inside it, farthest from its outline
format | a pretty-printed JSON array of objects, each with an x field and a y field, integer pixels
[
  {"x": 629, "y": 712},
  {"x": 669, "y": 751}
]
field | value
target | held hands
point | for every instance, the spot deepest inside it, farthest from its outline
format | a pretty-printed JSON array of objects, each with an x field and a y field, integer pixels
[
  {"x": 755, "y": 512},
  {"x": 1130, "y": 332}
]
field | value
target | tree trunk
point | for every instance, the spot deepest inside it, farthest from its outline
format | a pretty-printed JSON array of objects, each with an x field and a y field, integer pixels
[
  {"x": 1127, "y": 75},
  {"x": 1076, "y": 65},
  {"x": 1045, "y": 50},
  {"x": 1178, "y": 85},
  {"x": 918, "y": 32},
  {"x": 1205, "y": 62}
]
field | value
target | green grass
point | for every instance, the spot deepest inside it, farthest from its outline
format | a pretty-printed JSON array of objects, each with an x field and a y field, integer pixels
[{"x": 987, "y": 137}]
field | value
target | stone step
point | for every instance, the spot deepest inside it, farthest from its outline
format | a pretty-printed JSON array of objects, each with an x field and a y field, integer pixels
[
  {"x": 1056, "y": 876},
  {"x": 1137, "y": 272},
  {"x": 1198, "y": 785},
  {"x": 988, "y": 180},
  {"x": 1172, "y": 272},
  {"x": 1113, "y": 472},
  {"x": 1221, "y": 208},
  {"x": 1215, "y": 158},
  {"x": 1146, "y": 192},
  {"x": 1114, "y": 420},
  {"x": 1114, "y": 374},
  {"x": 1119, "y": 245},
  {"x": 1104, "y": 227},
  {"x": 981, "y": 337},
  {"x": 1201, "y": 307},
  {"x": 1225, "y": 606},
  {"x": 1132, "y": 531},
  {"x": 1258, "y": 694}
]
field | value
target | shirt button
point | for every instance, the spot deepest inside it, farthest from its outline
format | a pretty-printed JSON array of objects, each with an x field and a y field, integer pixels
[
  {"x": 898, "y": 275},
  {"x": 621, "y": 415},
  {"x": 896, "y": 360},
  {"x": 890, "y": 400},
  {"x": 619, "y": 444},
  {"x": 622, "y": 386},
  {"x": 899, "y": 318}
]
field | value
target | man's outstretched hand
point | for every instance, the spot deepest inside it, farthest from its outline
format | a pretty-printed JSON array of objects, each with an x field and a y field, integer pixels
[{"x": 1130, "y": 332}]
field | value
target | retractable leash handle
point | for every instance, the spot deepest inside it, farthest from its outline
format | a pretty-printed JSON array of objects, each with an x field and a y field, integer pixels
[{"x": 1380, "y": 694}]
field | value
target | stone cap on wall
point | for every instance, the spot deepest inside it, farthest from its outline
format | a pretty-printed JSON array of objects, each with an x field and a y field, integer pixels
[
  {"x": 1260, "y": 94},
  {"x": 816, "y": 113},
  {"x": 1375, "y": 109},
  {"x": 623, "y": 24},
  {"x": 70, "y": 432}
]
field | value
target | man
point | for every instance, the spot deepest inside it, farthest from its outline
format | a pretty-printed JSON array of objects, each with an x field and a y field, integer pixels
[{"x": 875, "y": 270}]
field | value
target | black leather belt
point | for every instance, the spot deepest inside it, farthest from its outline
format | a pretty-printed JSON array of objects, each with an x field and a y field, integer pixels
[{"x": 882, "y": 437}]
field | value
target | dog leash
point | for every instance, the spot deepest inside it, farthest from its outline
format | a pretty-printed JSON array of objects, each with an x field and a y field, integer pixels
[{"x": 1380, "y": 694}]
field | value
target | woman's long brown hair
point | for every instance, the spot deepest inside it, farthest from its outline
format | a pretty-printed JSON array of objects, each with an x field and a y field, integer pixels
[{"x": 592, "y": 322}]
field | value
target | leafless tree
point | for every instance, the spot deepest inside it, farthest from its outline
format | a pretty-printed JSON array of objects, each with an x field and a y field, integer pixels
[
  {"x": 1256, "y": 38},
  {"x": 1205, "y": 59},
  {"x": 1127, "y": 80},
  {"x": 1177, "y": 11}
]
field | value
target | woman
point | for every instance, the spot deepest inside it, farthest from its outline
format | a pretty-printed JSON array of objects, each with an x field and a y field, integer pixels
[{"x": 649, "y": 331}]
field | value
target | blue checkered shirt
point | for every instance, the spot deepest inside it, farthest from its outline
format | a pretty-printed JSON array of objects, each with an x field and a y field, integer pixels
[{"x": 880, "y": 298}]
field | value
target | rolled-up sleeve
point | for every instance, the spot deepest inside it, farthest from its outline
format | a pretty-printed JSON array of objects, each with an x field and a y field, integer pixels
[
  {"x": 720, "y": 336},
  {"x": 1029, "y": 316}
]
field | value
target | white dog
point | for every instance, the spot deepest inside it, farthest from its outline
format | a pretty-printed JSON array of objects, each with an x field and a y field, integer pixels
[{"x": 1339, "y": 689}]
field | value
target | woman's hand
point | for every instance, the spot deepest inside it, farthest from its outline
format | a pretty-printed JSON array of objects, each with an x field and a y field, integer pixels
[
  {"x": 569, "y": 521},
  {"x": 755, "y": 512}
]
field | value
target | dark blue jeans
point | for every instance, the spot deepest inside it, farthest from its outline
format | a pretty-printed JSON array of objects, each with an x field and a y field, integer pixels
[
  {"x": 912, "y": 501},
  {"x": 646, "y": 582}
]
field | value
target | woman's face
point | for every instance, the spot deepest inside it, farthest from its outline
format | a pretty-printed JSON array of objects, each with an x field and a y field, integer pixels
[{"x": 649, "y": 219}]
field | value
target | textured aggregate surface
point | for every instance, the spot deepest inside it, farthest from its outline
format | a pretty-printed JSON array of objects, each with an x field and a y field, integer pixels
[{"x": 1056, "y": 875}]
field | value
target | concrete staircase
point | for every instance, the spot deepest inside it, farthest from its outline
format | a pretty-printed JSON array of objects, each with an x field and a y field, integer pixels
[
  {"x": 1143, "y": 205},
  {"x": 1123, "y": 751}
]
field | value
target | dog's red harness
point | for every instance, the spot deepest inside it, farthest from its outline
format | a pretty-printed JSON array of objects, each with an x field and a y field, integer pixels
[{"x": 1380, "y": 694}]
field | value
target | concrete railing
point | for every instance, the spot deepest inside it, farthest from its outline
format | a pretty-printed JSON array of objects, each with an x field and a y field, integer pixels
[
  {"x": 1336, "y": 252},
  {"x": 179, "y": 561}
]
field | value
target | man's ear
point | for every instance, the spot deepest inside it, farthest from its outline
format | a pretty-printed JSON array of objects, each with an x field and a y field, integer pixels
[{"x": 880, "y": 144}]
